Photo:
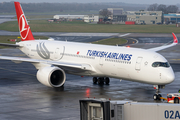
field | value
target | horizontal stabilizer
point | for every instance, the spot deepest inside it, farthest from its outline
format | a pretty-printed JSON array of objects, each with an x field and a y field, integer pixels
[{"x": 9, "y": 45}]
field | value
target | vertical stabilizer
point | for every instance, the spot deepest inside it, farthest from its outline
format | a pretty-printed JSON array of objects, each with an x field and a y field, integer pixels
[{"x": 24, "y": 28}]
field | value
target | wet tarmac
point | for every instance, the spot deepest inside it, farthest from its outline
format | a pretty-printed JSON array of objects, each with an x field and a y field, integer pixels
[
  {"x": 6, "y": 18},
  {"x": 84, "y": 39},
  {"x": 23, "y": 97}
]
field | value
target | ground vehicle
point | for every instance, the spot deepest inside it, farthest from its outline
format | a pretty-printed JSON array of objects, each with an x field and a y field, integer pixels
[
  {"x": 159, "y": 23},
  {"x": 173, "y": 97},
  {"x": 104, "y": 109}
]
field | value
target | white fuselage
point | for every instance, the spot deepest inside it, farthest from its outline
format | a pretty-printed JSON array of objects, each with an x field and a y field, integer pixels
[{"x": 106, "y": 61}]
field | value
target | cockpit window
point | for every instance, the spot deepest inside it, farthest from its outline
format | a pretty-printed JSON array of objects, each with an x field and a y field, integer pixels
[{"x": 160, "y": 64}]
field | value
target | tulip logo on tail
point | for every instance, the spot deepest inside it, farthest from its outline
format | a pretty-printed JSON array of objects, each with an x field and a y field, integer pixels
[
  {"x": 42, "y": 51},
  {"x": 23, "y": 27}
]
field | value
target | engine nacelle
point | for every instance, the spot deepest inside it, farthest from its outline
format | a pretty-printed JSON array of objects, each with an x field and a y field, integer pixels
[{"x": 51, "y": 76}]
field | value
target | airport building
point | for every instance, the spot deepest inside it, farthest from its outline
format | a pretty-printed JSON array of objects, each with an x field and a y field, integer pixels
[
  {"x": 145, "y": 17},
  {"x": 139, "y": 17},
  {"x": 86, "y": 18},
  {"x": 118, "y": 15},
  {"x": 68, "y": 17},
  {"x": 171, "y": 18},
  {"x": 91, "y": 18}
]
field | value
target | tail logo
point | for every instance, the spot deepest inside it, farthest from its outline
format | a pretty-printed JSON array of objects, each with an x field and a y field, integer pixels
[{"x": 23, "y": 27}]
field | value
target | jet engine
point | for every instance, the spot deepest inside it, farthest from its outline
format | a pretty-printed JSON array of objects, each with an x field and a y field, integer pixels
[{"x": 51, "y": 76}]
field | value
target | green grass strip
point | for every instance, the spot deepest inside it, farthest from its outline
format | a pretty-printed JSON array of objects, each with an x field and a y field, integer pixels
[
  {"x": 111, "y": 41},
  {"x": 79, "y": 26}
]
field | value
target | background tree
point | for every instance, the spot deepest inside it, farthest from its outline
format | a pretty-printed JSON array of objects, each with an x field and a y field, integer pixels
[
  {"x": 68, "y": 8},
  {"x": 162, "y": 8},
  {"x": 172, "y": 9},
  {"x": 153, "y": 7},
  {"x": 105, "y": 13}
]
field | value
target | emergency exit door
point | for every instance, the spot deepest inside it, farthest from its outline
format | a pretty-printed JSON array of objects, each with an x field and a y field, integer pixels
[
  {"x": 58, "y": 53},
  {"x": 138, "y": 63}
]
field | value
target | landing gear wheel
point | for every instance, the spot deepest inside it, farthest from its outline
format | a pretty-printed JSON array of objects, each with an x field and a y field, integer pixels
[
  {"x": 95, "y": 80},
  {"x": 107, "y": 81},
  {"x": 100, "y": 81},
  {"x": 176, "y": 100},
  {"x": 155, "y": 96}
]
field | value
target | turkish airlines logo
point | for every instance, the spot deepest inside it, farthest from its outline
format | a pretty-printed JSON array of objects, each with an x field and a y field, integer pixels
[{"x": 23, "y": 27}]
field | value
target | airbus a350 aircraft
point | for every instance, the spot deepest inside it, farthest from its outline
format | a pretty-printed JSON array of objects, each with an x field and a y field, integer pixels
[{"x": 54, "y": 59}]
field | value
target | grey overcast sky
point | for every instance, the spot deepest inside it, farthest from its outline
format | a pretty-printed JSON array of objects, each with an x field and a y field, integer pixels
[{"x": 168, "y": 2}]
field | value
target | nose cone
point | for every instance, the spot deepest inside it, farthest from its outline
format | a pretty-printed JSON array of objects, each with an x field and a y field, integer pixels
[{"x": 170, "y": 77}]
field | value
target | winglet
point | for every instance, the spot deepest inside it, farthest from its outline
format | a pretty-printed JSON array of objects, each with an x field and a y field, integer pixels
[
  {"x": 24, "y": 28},
  {"x": 175, "y": 42},
  {"x": 175, "y": 38}
]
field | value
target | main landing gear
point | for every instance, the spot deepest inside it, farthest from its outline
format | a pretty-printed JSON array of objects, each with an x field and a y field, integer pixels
[
  {"x": 101, "y": 80},
  {"x": 157, "y": 96}
]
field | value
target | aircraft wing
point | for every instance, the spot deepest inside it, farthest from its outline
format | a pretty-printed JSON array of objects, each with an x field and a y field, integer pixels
[
  {"x": 175, "y": 42},
  {"x": 65, "y": 65}
]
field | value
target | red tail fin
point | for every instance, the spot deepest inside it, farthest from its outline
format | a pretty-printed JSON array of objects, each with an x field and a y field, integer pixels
[{"x": 24, "y": 28}]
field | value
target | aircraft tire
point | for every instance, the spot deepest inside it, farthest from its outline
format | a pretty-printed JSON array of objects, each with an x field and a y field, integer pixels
[
  {"x": 107, "y": 81},
  {"x": 155, "y": 96},
  {"x": 95, "y": 80},
  {"x": 176, "y": 100},
  {"x": 100, "y": 80}
]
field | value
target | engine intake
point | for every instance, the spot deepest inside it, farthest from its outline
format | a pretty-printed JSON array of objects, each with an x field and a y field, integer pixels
[{"x": 51, "y": 76}]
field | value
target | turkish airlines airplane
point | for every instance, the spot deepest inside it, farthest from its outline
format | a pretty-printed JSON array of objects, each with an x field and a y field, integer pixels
[{"x": 54, "y": 59}]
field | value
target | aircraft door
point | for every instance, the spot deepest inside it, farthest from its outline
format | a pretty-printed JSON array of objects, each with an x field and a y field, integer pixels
[
  {"x": 101, "y": 61},
  {"x": 138, "y": 63},
  {"x": 58, "y": 53}
]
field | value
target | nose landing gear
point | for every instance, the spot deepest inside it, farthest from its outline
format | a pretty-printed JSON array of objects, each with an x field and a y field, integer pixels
[{"x": 157, "y": 96}]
